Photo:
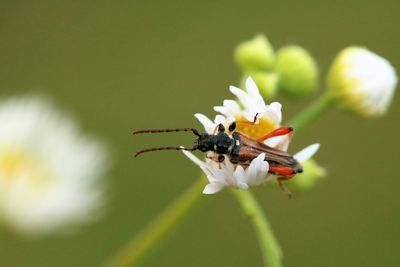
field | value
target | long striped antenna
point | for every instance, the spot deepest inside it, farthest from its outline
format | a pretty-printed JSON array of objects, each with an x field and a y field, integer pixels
[
  {"x": 168, "y": 131},
  {"x": 163, "y": 148}
]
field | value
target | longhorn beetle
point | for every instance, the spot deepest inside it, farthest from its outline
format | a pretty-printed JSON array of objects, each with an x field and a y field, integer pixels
[{"x": 238, "y": 148}]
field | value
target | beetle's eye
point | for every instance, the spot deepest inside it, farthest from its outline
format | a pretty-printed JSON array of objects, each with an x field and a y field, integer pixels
[
  {"x": 221, "y": 128},
  {"x": 203, "y": 149}
]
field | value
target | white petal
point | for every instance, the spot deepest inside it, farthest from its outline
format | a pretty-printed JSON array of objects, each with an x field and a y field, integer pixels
[
  {"x": 212, "y": 188},
  {"x": 277, "y": 108},
  {"x": 229, "y": 120},
  {"x": 195, "y": 159},
  {"x": 284, "y": 144},
  {"x": 243, "y": 97},
  {"x": 210, "y": 174},
  {"x": 257, "y": 171},
  {"x": 242, "y": 185},
  {"x": 239, "y": 175},
  {"x": 273, "y": 112},
  {"x": 207, "y": 123},
  {"x": 230, "y": 108},
  {"x": 223, "y": 110},
  {"x": 306, "y": 153},
  {"x": 253, "y": 92},
  {"x": 232, "y": 105},
  {"x": 219, "y": 119},
  {"x": 279, "y": 142}
]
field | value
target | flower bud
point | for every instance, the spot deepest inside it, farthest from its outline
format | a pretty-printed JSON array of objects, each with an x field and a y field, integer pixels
[
  {"x": 305, "y": 181},
  {"x": 298, "y": 73},
  {"x": 255, "y": 54},
  {"x": 362, "y": 81}
]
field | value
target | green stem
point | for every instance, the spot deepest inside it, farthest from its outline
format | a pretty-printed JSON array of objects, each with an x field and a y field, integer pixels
[
  {"x": 130, "y": 254},
  {"x": 321, "y": 105},
  {"x": 270, "y": 250}
]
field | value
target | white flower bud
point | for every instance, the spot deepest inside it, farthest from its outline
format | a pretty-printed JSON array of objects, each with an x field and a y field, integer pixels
[{"x": 362, "y": 81}]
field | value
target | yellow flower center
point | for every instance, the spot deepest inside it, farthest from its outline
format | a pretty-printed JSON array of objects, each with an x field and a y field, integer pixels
[
  {"x": 256, "y": 131},
  {"x": 18, "y": 163}
]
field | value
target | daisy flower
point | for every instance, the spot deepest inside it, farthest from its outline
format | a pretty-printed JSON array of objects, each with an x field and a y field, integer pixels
[
  {"x": 250, "y": 105},
  {"x": 49, "y": 172}
]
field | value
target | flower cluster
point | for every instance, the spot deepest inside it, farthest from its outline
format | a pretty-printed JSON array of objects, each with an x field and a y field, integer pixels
[
  {"x": 290, "y": 71},
  {"x": 269, "y": 118}
]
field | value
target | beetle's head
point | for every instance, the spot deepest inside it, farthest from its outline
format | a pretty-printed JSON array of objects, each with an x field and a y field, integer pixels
[{"x": 204, "y": 143}]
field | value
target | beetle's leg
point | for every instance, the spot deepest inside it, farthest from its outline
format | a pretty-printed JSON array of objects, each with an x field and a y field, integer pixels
[
  {"x": 277, "y": 132},
  {"x": 217, "y": 158},
  {"x": 249, "y": 122},
  {"x": 283, "y": 187},
  {"x": 219, "y": 128},
  {"x": 215, "y": 130},
  {"x": 234, "y": 160},
  {"x": 287, "y": 173}
]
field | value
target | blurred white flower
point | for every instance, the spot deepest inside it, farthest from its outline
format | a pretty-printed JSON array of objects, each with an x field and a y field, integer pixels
[
  {"x": 49, "y": 172},
  {"x": 269, "y": 118},
  {"x": 362, "y": 81}
]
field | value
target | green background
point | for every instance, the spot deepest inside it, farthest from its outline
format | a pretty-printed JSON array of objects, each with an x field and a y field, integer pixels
[{"x": 124, "y": 65}]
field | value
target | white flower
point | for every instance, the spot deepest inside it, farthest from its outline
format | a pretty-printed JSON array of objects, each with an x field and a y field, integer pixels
[
  {"x": 49, "y": 172},
  {"x": 362, "y": 81},
  {"x": 269, "y": 118}
]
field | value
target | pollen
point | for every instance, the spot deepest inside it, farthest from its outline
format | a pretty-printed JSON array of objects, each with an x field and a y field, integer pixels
[{"x": 255, "y": 131}]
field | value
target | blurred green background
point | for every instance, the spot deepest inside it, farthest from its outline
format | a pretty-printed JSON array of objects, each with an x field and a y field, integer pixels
[{"x": 124, "y": 65}]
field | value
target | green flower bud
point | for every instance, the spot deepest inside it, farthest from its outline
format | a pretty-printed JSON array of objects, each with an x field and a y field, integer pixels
[
  {"x": 255, "y": 55},
  {"x": 311, "y": 175},
  {"x": 298, "y": 72},
  {"x": 266, "y": 82},
  {"x": 362, "y": 81}
]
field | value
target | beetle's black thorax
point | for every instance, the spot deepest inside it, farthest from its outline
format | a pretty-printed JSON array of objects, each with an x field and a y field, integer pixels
[{"x": 220, "y": 143}]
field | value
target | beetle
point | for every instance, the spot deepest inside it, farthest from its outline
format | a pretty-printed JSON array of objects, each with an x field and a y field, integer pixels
[{"x": 239, "y": 149}]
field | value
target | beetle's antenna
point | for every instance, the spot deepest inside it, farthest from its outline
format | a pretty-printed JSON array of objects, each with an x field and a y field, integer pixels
[
  {"x": 168, "y": 131},
  {"x": 163, "y": 148}
]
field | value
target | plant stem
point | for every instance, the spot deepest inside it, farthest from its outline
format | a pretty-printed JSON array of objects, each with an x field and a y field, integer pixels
[
  {"x": 270, "y": 250},
  {"x": 321, "y": 105},
  {"x": 130, "y": 254}
]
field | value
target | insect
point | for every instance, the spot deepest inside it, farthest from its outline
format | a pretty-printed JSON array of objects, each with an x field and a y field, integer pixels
[{"x": 239, "y": 149}]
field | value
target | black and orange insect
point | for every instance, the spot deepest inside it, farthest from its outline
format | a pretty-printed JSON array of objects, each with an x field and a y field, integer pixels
[{"x": 238, "y": 148}]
